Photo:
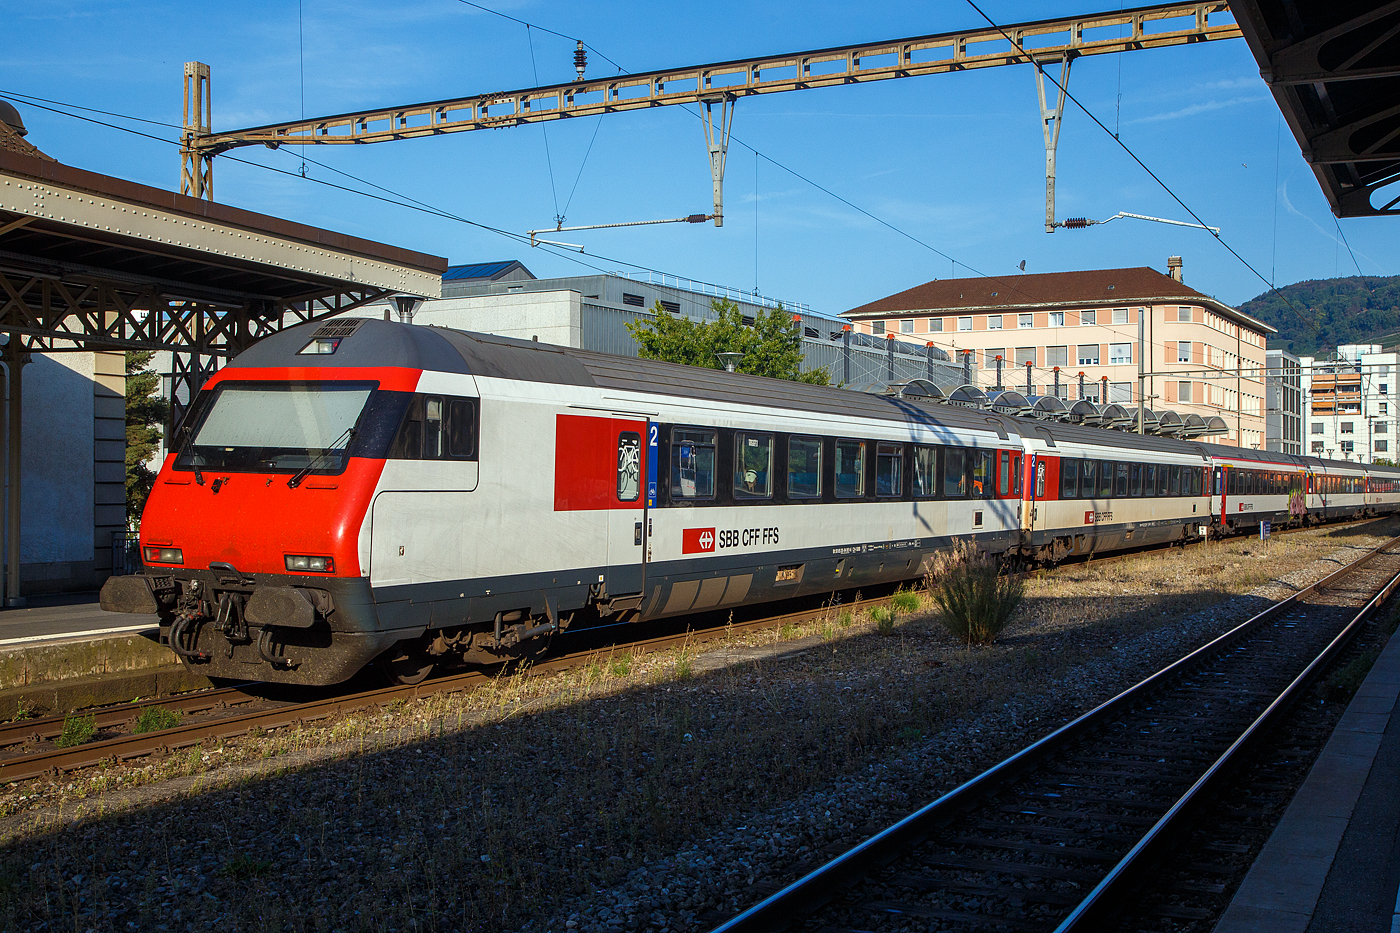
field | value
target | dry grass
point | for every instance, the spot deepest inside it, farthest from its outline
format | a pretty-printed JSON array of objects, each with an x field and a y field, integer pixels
[{"x": 508, "y": 808}]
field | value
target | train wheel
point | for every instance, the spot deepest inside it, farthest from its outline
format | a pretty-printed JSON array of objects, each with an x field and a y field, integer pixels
[{"x": 405, "y": 665}]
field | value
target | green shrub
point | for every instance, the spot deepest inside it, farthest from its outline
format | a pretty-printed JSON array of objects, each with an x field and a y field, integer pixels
[
  {"x": 884, "y": 619},
  {"x": 76, "y": 731},
  {"x": 1343, "y": 683},
  {"x": 974, "y": 600},
  {"x": 156, "y": 718},
  {"x": 905, "y": 602}
]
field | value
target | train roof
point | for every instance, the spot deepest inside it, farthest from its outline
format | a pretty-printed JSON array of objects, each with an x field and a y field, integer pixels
[{"x": 370, "y": 343}]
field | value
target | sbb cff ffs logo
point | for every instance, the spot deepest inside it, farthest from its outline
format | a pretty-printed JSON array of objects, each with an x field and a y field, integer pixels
[{"x": 697, "y": 540}]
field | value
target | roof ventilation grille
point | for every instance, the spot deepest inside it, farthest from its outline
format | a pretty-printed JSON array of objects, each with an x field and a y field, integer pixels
[{"x": 343, "y": 327}]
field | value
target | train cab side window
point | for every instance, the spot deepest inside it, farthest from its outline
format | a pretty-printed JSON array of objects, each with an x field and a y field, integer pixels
[
  {"x": 925, "y": 472},
  {"x": 408, "y": 443},
  {"x": 692, "y": 464},
  {"x": 432, "y": 428},
  {"x": 461, "y": 428},
  {"x": 889, "y": 470},
  {"x": 954, "y": 473},
  {"x": 1120, "y": 481},
  {"x": 804, "y": 467},
  {"x": 1106, "y": 470},
  {"x": 629, "y": 466},
  {"x": 1174, "y": 481},
  {"x": 850, "y": 469},
  {"x": 436, "y": 428},
  {"x": 1135, "y": 480},
  {"x": 753, "y": 466},
  {"x": 1089, "y": 482},
  {"x": 1069, "y": 478},
  {"x": 1149, "y": 482},
  {"x": 981, "y": 473}
]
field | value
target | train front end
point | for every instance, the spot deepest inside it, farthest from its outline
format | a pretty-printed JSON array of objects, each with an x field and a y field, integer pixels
[{"x": 250, "y": 537}]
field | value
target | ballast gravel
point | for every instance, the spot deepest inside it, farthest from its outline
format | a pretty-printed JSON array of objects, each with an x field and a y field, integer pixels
[{"x": 660, "y": 792}]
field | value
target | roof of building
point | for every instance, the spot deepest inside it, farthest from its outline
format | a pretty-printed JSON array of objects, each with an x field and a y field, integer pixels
[
  {"x": 489, "y": 271},
  {"x": 1096, "y": 287},
  {"x": 12, "y": 140}
]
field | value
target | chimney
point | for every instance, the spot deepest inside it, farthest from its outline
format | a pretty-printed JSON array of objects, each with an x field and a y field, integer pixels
[{"x": 1174, "y": 267}]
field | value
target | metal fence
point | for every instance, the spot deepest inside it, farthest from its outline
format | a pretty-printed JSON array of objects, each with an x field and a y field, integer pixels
[{"x": 126, "y": 553}]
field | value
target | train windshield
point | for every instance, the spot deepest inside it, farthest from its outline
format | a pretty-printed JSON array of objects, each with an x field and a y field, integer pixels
[{"x": 270, "y": 426}]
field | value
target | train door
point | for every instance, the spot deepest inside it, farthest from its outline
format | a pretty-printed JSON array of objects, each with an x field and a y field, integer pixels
[{"x": 636, "y": 480}]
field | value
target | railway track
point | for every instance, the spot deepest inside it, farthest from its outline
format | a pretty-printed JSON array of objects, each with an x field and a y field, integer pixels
[
  {"x": 1058, "y": 836},
  {"x": 26, "y": 749}
]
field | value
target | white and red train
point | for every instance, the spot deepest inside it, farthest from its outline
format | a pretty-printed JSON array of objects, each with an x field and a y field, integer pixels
[{"x": 361, "y": 490}]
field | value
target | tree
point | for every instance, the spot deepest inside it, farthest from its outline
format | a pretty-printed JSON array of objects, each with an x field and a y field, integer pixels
[
  {"x": 772, "y": 345},
  {"x": 145, "y": 415}
]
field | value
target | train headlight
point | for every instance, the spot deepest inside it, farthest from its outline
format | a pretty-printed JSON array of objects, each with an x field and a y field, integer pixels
[
  {"x": 164, "y": 555},
  {"x": 298, "y": 563}
]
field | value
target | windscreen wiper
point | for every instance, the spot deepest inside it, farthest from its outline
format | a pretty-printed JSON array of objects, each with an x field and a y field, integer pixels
[
  {"x": 301, "y": 474},
  {"x": 187, "y": 447}
]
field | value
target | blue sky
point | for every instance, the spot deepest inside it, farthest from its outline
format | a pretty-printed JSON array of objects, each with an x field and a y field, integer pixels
[{"x": 954, "y": 161}]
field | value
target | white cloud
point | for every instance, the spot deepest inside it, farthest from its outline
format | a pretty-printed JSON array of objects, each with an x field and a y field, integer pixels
[{"x": 1204, "y": 107}]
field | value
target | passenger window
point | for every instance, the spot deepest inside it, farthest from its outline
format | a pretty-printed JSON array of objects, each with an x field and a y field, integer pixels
[
  {"x": 692, "y": 464},
  {"x": 925, "y": 464},
  {"x": 1004, "y": 473},
  {"x": 850, "y": 469},
  {"x": 804, "y": 467},
  {"x": 1106, "y": 478},
  {"x": 1149, "y": 482},
  {"x": 1174, "y": 482},
  {"x": 1120, "y": 484},
  {"x": 981, "y": 473},
  {"x": 1135, "y": 480},
  {"x": 1040, "y": 479},
  {"x": 753, "y": 466},
  {"x": 461, "y": 428},
  {"x": 954, "y": 472},
  {"x": 889, "y": 470},
  {"x": 1069, "y": 478},
  {"x": 1089, "y": 482},
  {"x": 1016, "y": 475},
  {"x": 1161, "y": 479},
  {"x": 629, "y": 466}
]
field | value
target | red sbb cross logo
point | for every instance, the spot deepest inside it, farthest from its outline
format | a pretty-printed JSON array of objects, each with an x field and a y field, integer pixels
[
  {"x": 1088, "y": 518},
  {"x": 697, "y": 540}
]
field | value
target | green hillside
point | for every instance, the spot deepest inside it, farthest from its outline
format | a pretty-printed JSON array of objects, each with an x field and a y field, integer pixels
[{"x": 1359, "y": 309}]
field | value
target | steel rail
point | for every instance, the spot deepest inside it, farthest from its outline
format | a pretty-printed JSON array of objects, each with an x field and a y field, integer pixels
[
  {"x": 127, "y": 747},
  {"x": 819, "y": 886},
  {"x": 48, "y": 727}
]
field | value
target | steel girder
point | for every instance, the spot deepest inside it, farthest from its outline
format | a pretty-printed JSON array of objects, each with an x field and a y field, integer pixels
[{"x": 1334, "y": 69}]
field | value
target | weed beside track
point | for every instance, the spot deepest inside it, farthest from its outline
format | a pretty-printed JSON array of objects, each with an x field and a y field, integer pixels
[{"x": 653, "y": 791}]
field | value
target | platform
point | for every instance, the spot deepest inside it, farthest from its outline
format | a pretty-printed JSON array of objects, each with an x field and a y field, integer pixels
[
  {"x": 1333, "y": 863},
  {"x": 64, "y": 653}
]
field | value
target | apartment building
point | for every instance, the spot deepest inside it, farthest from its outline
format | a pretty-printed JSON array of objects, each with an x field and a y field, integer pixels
[
  {"x": 1283, "y": 397},
  {"x": 1076, "y": 334},
  {"x": 1348, "y": 403}
]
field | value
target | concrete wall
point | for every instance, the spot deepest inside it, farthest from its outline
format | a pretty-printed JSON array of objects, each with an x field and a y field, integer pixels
[{"x": 73, "y": 475}]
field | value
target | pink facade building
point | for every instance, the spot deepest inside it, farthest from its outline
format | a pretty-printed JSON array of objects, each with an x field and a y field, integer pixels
[{"x": 1078, "y": 331}]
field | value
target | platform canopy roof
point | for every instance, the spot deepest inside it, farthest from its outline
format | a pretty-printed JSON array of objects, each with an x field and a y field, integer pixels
[
  {"x": 1334, "y": 69},
  {"x": 88, "y": 261}
]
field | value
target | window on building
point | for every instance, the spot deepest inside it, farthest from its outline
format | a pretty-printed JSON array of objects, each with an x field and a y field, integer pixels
[
  {"x": 1381, "y": 409},
  {"x": 1120, "y": 315},
  {"x": 1120, "y": 353},
  {"x": 1385, "y": 371},
  {"x": 964, "y": 323},
  {"x": 935, "y": 325},
  {"x": 673, "y": 307},
  {"x": 994, "y": 322},
  {"x": 1088, "y": 354},
  {"x": 992, "y": 354},
  {"x": 1382, "y": 446},
  {"x": 906, "y": 327},
  {"x": 1183, "y": 392},
  {"x": 1057, "y": 319},
  {"x": 1385, "y": 388},
  {"x": 1318, "y": 427},
  {"x": 1379, "y": 427},
  {"x": 1317, "y": 447},
  {"x": 877, "y": 327},
  {"x": 1348, "y": 447},
  {"x": 1088, "y": 317},
  {"x": 1346, "y": 427},
  {"x": 1025, "y": 320},
  {"x": 1183, "y": 313},
  {"x": 1183, "y": 351},
  {"x": 633, "y": 301},
  {"x": 1057, "y": 356},
  {"x": 1025, "y": 355},
  {"x": 1120, "y": 393}
]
